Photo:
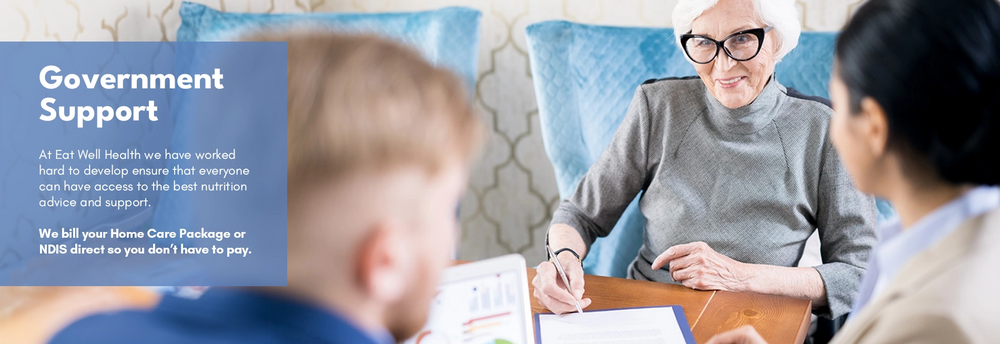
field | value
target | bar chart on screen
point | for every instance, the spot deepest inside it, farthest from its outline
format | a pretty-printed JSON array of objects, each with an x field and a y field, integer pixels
[{"x": 483, "y": 310}]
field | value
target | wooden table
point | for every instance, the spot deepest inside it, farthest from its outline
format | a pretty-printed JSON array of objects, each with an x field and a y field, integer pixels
[
  {"x": 778, "y": 319},
  {"x": 43, "y": 311}
]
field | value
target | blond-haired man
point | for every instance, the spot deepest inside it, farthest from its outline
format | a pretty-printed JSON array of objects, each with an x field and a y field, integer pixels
[{"x": 379, "y": 143}]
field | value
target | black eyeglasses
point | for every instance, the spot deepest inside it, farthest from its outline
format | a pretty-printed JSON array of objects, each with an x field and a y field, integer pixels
[{"x": 740, "y": 46}]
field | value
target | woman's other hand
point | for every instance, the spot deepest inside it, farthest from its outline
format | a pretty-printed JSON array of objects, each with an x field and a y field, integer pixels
[{"x": 696, "y": 265}]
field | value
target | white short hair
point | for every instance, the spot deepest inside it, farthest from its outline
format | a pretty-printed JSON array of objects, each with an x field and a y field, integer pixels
[{"x": 779, "y": 14}]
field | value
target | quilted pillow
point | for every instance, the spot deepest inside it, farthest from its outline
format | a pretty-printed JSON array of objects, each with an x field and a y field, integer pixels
[{"x": 447, "y": 37}]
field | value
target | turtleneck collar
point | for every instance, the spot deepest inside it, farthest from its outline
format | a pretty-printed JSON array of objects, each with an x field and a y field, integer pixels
[{"x": 750, "y": 118}]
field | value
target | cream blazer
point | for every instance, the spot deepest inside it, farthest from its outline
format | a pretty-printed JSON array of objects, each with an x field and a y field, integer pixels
[{"x": 949, "y": 293}]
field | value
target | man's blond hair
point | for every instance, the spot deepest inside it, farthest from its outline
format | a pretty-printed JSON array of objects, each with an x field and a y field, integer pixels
[{"x": 359, "y": 103}]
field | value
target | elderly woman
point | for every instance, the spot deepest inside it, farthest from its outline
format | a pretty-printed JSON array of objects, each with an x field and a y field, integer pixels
[
  {"x": 923, "y": 132},
  {"x": 736, "y": 171}
]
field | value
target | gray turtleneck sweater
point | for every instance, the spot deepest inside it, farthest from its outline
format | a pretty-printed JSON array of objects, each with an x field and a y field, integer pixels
[{"x": 753, "y": 183}]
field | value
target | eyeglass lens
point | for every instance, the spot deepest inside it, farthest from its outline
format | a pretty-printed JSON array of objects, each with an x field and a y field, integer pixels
[{"x": 740, "y": 47}]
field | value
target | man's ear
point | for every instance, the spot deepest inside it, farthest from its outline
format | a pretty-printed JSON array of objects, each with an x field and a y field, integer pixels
[
  {"x": 381, "y": 269},
  {"x": 874, "y": 127}
]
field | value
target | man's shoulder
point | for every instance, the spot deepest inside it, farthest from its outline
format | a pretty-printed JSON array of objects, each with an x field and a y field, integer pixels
[
  {"x": 178, "y": 324},
  {"x": 148, "y": 327},
  {"x": 220, "y": 316}
]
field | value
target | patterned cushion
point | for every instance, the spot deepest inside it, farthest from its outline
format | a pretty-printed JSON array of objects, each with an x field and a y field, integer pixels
[
  {"x": 585, "y": 76},
  {"x": 448, "y": 37}
]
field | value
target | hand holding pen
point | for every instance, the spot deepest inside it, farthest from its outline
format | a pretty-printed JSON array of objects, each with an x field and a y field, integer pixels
[{"x": 560, "y": 287}]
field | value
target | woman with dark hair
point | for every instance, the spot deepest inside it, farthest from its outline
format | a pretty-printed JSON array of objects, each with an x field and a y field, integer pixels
[{"x": 916, "y": 96}]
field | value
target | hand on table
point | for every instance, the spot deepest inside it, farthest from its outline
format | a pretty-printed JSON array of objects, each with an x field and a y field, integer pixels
[
  {"x": 550, "y": 290},
  {"x": 697, "y": 266},
  {"x": 743, "y": 335}
]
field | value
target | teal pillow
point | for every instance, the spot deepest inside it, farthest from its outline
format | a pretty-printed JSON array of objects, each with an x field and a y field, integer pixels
[{"x": 448, "y": 37}]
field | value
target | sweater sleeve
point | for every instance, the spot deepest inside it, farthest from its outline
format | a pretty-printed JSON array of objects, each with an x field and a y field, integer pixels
[
  {"x": 846, "y": 220},
  {"x": 613, "y": 180}
]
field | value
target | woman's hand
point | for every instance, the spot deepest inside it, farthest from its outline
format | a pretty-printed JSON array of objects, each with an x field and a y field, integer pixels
[
  {"x": 743, "y": 335},
  {"x": 697, "y": 266},
  {"x": 550, "y": 290}
]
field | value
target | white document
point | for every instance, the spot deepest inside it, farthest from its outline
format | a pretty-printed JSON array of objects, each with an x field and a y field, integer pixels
[{"x": 648, "y": 325}]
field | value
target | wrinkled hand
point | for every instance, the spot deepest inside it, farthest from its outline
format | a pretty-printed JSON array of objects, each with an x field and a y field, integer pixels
[
  {"x": 743, "y": 335},
  {"x": 550, "y": 290},
  {"x": 697, "y": 266}
]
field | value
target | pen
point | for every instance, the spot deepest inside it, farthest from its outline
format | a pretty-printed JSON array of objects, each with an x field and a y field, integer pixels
[{"x": 562, "y": 273}]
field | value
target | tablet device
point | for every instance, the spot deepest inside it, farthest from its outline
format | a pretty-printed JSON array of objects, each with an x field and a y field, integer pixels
[{"x": 484, "y": 302}]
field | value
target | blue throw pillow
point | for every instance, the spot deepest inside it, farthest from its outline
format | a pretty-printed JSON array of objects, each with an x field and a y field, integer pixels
[{"x": 448, "y": 37}]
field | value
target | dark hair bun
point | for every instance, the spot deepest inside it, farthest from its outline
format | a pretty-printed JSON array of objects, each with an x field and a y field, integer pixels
[{"x": 934, "y": 66}]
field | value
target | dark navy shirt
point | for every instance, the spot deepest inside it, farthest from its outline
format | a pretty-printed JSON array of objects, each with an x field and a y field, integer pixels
[{"x": 220, "y": 316}]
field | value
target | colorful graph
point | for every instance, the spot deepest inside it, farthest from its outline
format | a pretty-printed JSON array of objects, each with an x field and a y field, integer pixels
[{"x": 477, "y": 311}]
